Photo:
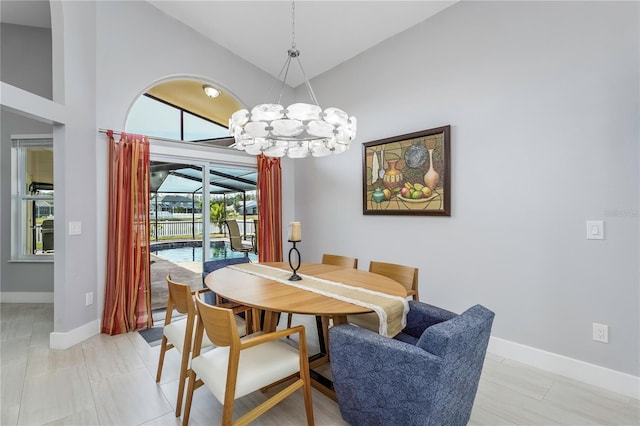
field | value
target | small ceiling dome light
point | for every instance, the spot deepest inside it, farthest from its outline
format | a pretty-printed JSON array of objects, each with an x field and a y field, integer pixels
[
  {"x": 298, "y": 130},
  {"x": 211, "y": 91}
]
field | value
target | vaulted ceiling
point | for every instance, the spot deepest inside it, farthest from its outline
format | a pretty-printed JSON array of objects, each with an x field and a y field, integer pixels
[{"x": 327, "y": 33}]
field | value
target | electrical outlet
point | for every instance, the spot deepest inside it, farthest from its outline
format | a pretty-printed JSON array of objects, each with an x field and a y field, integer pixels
[
  {"x": 89, "y": 298},
  {"x": 600, "y": 333}
]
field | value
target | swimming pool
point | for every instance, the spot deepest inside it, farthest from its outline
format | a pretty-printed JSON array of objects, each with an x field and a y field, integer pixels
[{"x": 191, "y": 251}]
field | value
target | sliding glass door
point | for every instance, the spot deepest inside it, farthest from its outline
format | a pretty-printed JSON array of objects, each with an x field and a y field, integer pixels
[{"x": 187, "y": 214}]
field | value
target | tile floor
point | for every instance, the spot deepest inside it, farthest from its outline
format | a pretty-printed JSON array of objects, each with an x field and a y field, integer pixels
[{"x": 110, "y": 380}]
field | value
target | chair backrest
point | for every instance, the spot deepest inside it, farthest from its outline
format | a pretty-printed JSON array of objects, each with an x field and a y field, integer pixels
[
  {"x": 235, "y": 239},
  {"x": 344, "y": 261},
  {"x": 213, "y": 265},
  {"x": 461, "y": 343},
  {"x": 405, "y": 275},
  {"x": 219, "y": 323},
  {"x": 180, "y": 297}
]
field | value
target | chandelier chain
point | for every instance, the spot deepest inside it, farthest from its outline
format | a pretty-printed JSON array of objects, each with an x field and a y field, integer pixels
[{"x": 293, "y": 25}]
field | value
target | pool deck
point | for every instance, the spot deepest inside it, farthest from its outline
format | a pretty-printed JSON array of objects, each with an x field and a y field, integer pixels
[
  {"x": 183, "y": 272},
  {"x": 187, "y": 273}
]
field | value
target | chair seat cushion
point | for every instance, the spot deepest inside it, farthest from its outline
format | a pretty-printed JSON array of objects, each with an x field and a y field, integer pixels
[
  {"x": 211, "y": 367},
  {"x": 176, "y": 330}
]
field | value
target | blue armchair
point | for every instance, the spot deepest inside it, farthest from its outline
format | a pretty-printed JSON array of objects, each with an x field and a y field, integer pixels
[
  {"x": 213, "y": 265},
  {"x": 427, "y": 375}
]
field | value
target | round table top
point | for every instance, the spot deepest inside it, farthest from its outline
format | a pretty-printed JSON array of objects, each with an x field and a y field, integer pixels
[{"x": 263, "y": 293}]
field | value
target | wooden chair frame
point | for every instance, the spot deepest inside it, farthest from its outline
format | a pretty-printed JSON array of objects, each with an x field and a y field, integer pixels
[
  {"x": 218, "y": 324},
  {"x": 405, "y": 275},
  {"x": 181, "y": 298}
]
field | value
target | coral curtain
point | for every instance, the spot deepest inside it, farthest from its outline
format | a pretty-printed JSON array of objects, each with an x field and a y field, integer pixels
[
  {"x": 128, "y": 281},
  {"x": 269, "y": 209}
]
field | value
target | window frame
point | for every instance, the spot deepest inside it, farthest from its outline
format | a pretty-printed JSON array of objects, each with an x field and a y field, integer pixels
[
  {"x": 180, "y": 126},
  {"x": 20, "y": 196}
]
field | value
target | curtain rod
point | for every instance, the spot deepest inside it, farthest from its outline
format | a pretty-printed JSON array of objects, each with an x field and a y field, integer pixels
[{"x": 119, "y": 133}]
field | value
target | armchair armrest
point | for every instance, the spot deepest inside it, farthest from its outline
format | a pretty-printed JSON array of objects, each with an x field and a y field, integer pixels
[{"x": 422, "y": 316}]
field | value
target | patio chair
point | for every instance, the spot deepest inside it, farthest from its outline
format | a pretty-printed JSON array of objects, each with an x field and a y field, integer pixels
[
  {"x": 254, "y": 241},
  {"x": 235, "y": 239},
  {"x": 47, "y": 235}
]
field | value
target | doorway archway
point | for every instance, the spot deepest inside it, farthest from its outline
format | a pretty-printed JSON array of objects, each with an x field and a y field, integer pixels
[{"x": 178, "y": 115}]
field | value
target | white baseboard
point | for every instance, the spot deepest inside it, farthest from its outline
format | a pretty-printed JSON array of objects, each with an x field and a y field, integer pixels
[
  {"x": 26, "y": 297},
  {"x": 64, "y": 340},
  {"x": 606, "y": 378}
]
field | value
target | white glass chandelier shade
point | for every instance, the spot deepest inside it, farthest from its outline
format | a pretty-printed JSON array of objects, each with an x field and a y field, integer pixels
[{"x": 297, "y": 131}]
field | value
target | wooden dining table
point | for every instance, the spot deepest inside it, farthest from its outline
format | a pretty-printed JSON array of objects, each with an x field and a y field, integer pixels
[{"x": 273, "y": 297}]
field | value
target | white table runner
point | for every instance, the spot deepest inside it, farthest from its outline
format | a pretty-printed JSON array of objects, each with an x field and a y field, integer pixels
[{"x": 391, "y": 310}]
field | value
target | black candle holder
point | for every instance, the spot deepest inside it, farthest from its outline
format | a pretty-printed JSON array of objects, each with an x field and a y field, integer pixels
[{"x": 295, "y": 276}]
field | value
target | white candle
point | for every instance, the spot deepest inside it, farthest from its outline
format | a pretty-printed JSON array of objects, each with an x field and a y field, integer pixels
[{"x": 295, "y": 233}]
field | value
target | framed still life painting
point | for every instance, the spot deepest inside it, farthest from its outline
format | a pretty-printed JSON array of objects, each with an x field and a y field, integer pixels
[{"x": 408, "y": 174}]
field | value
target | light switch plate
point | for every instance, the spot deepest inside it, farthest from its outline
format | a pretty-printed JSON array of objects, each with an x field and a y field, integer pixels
[
  {"x": 75, "y": 228},
  {"x": 595, "y": 230}
]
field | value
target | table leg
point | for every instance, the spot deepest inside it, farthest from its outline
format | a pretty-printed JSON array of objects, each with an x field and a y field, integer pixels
[
  {"x": 255, "y": 319},
  {"x": 339, "y": 319},
  {"x": 270, "y": 321},
  {"x": 318, "y": 381}
]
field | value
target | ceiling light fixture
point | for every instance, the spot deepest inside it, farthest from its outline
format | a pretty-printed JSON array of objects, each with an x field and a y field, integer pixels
[
  {"x": 211, "y": 91},
  {"x": 299, "y": 130}
]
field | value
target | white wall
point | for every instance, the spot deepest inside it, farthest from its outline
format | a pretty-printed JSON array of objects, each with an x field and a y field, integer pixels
[
  {"x": 543, "y": 103},
  {"x": 74, "y": 153},
  {"x": 26, "y": 64},
  {"x": 148, "y": 47},
  {"x": 26, "y": 58}
]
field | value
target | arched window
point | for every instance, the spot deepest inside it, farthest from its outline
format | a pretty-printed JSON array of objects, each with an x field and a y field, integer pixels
[{"x": 181, "y": 110}]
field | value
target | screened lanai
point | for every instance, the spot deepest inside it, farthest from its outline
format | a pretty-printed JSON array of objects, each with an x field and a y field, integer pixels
[
  {"x": 179, "y": 242},
  {"x": 176, "y": 193}
]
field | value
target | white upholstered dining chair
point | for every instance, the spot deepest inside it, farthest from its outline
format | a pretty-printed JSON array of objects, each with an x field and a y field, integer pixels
[
  {"x": 235, "y": 367},
  {"x": 179, "y": 333}
]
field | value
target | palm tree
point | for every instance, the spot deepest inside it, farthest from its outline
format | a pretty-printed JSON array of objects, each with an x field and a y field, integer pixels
[{"x": 216, "y": 213}]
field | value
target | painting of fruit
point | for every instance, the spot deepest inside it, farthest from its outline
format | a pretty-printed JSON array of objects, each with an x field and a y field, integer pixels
[{"x": 410, "y": 174}]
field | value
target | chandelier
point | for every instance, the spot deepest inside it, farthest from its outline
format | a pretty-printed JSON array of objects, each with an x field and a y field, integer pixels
[{"x": 297, "y": 131}]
